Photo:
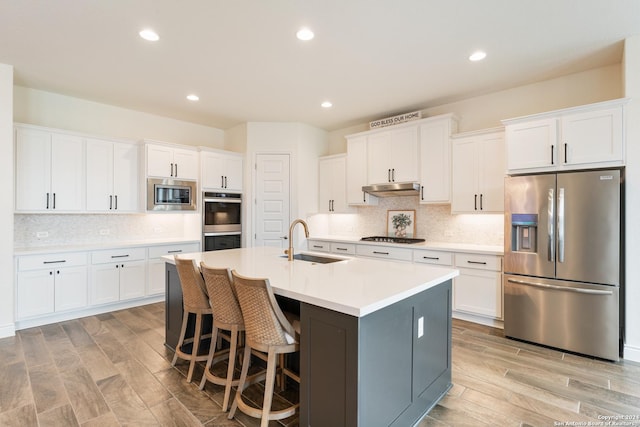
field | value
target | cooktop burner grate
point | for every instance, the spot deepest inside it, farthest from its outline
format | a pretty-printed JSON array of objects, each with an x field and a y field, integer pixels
[{"x": 389, "y": 239}]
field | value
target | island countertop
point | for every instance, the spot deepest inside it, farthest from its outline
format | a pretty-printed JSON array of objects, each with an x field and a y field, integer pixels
[{"x": 353, "y": 286}]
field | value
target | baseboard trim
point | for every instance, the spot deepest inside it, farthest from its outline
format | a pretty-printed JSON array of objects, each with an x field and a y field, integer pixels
[
  {"x": 632, "y": 353},
  {"x": 7, "y": 330},
  {"x": 494, "y": 323}
]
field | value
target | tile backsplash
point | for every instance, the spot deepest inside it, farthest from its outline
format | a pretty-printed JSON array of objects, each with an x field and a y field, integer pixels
[
  {"x": 435, "y": 223},
  {"x": 36, "y": 230}
]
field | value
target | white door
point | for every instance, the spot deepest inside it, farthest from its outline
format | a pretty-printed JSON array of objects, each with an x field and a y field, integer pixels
[{"x": 272, "y": 200}]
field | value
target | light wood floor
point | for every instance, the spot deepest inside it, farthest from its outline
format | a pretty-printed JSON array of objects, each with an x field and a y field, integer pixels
[{"x": 113, "y": 369}]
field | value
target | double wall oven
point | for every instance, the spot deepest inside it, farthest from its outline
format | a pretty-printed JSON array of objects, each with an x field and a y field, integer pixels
[{"x": 221, "y": 220}]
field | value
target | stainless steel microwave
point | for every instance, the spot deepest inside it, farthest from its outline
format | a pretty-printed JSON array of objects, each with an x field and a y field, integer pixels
[{"x": 166, "y": 194}]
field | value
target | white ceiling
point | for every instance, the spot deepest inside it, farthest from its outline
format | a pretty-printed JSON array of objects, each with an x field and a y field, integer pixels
[{"x": 371, "y": 58}]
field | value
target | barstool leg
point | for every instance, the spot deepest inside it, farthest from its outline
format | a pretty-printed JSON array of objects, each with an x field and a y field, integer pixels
[
  {"x": 272, "y": 364},
  {"x": 183, "y": 331},
  {"x": 212, "y": 352},
  {"x": 241, "y": 383},
  {"x": 231, "y": 368},
  {"x": 196, "y": 344}
]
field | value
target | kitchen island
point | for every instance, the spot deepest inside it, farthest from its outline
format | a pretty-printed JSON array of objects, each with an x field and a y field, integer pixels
[{"x": 375, "y": 344}]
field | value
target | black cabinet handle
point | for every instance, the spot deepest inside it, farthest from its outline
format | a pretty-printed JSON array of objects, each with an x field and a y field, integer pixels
[
  {"x": 364, "y": 197},
  {"x": 341, "y": 249},
  {"x": 422, "y": 192},
  {"x": 55, "y": 262},
  {"x": 225, "y": 182},
  {"x": 477, "y": 262},
  {"x": 176, "y": 170},
  {"x": 177, "y": 251},
  {"x": 381, "y": 253},
  {"x": 318, "y": 246},
  {"x": 565, "y": 153},
  {"x": 119, "y": 256},
  {"x": 388, "y": 175},
  {"x": 116, "y": 197},
  {"x": 551, "y": 153},
  {"x": 54, "y": 200},
  {"x": 110, "y": 202},
  {"x": 475, "y": 202},
  {"x": 393, "y": 175},
  {"x": 480, "y": 201},
  {"x": 47, "y": 200},
  {"x": 435, "y": 258}
]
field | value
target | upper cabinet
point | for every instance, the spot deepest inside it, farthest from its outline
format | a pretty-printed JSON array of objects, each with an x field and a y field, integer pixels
[
  {"x": 112, "y": 176},
  {"x": 221, "y": 170},
  {"x": 589, "y": 136},
  {"x": 332, "y": 193},
  {"x": 392, "y": 155},
  {"x": 166, "y": 161},
  {"x": 50, "y": 173},
  {"x": 435, "y": 158},
  {"x": 357, "y": 172},
  {"x": 478, "y": 172}
]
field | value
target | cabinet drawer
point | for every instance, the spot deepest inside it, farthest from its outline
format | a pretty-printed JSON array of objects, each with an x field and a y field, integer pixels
[
  {"x": 479, "y": 261},
  {"x": 432, "y": 257},
  {"x": 158, "y": 251},
  {"x": 318, "y": 246},
  {"x": 117, "y": 255},
  {"x": 387, "y": 252},
  {"x": 39, "y": 262},
  {"x": 343, "y": 248}
]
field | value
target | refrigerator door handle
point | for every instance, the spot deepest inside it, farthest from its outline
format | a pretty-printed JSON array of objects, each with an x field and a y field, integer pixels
[
  {"x": 560, "y": 288},
  {"x": 561, "y": 225},
  {"x": 551, "y": 246}
]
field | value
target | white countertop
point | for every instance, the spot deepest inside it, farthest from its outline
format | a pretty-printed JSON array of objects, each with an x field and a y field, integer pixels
[
  {"x": 437, "y": 246},
  {"x": 354, "y": 286},
  {"x": 36, "y": 250}
]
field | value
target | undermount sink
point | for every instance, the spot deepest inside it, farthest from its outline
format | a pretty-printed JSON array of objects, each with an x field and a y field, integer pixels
[{"x": 314, "y": 258}]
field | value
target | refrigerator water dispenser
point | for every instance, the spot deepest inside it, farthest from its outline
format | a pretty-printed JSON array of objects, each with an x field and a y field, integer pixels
[{"x": 524, "y": 232}]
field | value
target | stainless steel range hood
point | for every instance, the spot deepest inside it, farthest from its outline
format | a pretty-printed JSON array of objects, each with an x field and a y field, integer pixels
[{"x": 393, "y": 189}]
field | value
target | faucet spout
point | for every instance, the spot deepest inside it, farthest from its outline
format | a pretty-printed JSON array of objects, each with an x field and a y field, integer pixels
[{"x": 289, "y": 251}]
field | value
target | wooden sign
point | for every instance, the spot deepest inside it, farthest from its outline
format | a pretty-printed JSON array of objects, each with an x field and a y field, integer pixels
[{"x": 402, "y": 118}]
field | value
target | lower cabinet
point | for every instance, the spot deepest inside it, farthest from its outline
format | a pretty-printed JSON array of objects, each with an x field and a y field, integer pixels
[
  {"x": 118, "y": 275},
  {"x": 51, "y": 283},
  {"x": 156, "y": 270},
  {"x": 478, "y": 288}
]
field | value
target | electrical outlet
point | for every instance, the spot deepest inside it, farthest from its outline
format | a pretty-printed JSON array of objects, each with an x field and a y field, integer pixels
[
  {"x": 104, "y": 231},
  {"x": 42, "y": 234}
]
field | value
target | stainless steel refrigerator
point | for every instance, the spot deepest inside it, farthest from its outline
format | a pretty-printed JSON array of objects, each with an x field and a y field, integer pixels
[{"x": 564, "y": 261}]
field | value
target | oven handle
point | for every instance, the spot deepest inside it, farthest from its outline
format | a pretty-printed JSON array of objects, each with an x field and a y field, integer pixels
[
  {"x": 222, "y": 199},
  {"x": 561, "y": 288},
  {"x": 224, "y": 233}
]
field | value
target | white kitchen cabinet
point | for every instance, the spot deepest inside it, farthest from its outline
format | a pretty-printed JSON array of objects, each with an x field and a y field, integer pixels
[
  {"x": 117, "y": 275},
  {"x": 392, "y": 155},
  {"x": 357, "y": 172},
  {"x": 342, "y": 248},
  {"x": 478, "y": 172},
  {"x": 50, "y": 173},
  {"x": 332, "y": 192},
  {"x": 385, "y": 252},
  {"x": 435, "y": 158},
  {"x": 589, "y": 136},
  {"x": 112, "y": 176},
  {"x": 167, "y": 161},
  {"x": 221, "y": 171},
  {"x": 428, "y": 256},
  {"x": 51, "y": 283},
  {"x": 156, "y": 265},
  {"x": 478, "y": 288},
  {"x": 318, "y": 245}
]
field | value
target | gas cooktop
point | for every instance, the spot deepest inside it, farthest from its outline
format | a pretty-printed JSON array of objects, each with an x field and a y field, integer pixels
[{"x": 388, "y": 239}]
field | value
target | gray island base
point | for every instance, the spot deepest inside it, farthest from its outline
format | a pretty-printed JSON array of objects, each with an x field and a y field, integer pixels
[{"x": 387, "y": 367}]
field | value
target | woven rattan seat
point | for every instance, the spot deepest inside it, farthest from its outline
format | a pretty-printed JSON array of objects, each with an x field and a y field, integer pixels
[
  {"x": 196, "y": 302},
  {"x": 267, "y": 330},
  {"x": 227, "y": 317}
]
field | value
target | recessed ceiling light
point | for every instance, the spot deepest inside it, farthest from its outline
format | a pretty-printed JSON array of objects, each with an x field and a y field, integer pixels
[
  {"x": 304, "y": 34},
  {"x": 150, "y": 35},
  {"x": 326, "y": 104},
  {"x": 193, "y": 97},
  {"x": 477, "y": 56}
]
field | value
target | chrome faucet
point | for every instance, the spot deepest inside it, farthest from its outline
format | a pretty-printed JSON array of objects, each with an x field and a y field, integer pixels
[{"x": 289, "y": 251}]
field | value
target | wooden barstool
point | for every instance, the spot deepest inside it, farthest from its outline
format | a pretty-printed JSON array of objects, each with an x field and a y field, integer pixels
[
  {"x": 194, "y": 301},
  {"x": 227, "y": 317},
  {"x": 267, "y": 330}
]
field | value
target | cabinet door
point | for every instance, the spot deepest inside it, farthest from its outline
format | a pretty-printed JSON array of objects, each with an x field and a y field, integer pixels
[
  {"x": 99, "y": 175},
  {"x": 159, "y": 160},
  {"x": 491, "y": 174},
  {"x": 33, "y": 169},
  {"x": 125, "y": 177},
  {"x": 155, "y": 277},
  {"x": 234, "y": 173},
  {"x": 435, "y": 162},
  {"x": 464, "y": 196},
  {"x": 357, "y": 172},
  {"x": 478, "y": 292},
  {"x": 185, "y": 164},
  {"x": 35, "y": 293},
  {"x": 532, "y": 145},
  {"x": 132, "y": 279},
  {"x": 403, "y": 150},
  {"x": 70, "y": 288},
  {"x": 378, "y": 158},
  {"x": 67, "y": 172},
  {"x": 105, "y": 283},
  {"x": 325, "y": 183},
  {"x": 592, "y": 137},
  {"x": 213, "y": 171}
]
